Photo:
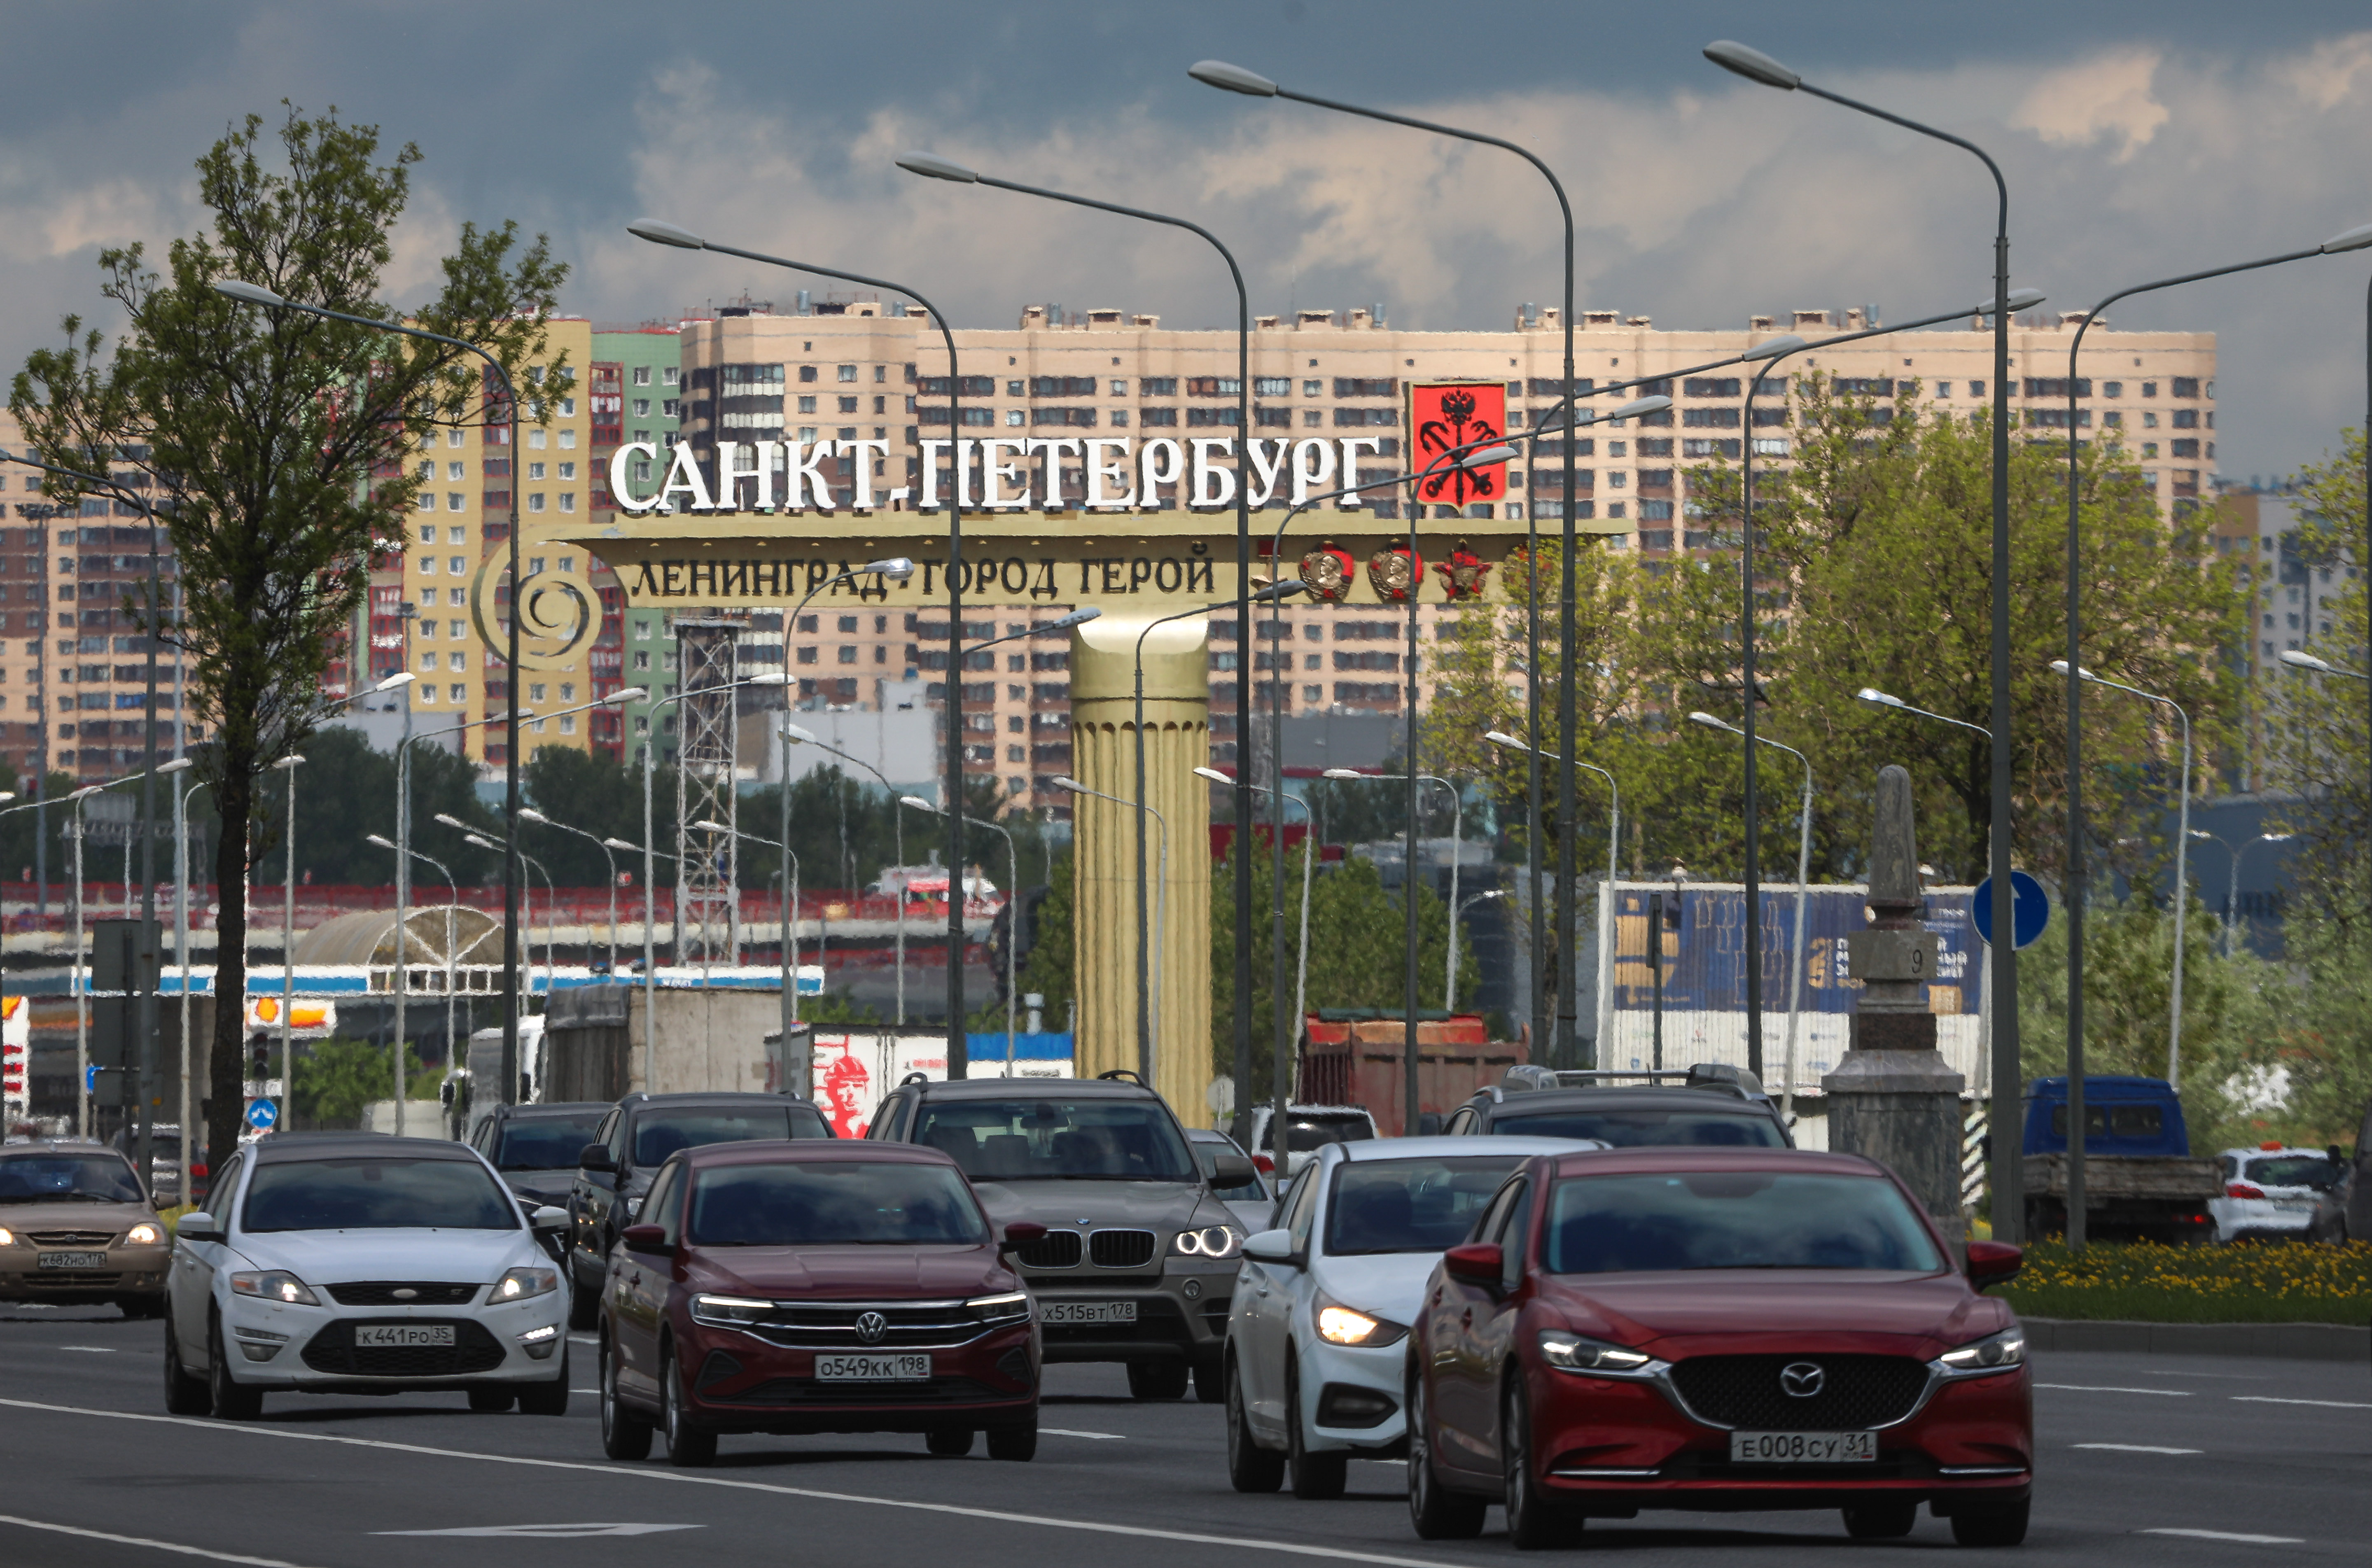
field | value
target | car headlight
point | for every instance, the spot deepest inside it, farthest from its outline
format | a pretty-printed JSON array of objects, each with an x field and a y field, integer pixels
[
  {"x": 517, "y": 1284},
  {"x": 8, "y": 1236},
  {"x": 728, "y": 1311},
  {"x": 142, "y": 1235},
  {"x": 1341, "y": 1325},
  {"x": 1013, "y": 1307},
  {"x": 274, "y": 1284},
  {"x": 1995, "y": 1352},
  {"x": 1572, "y": 1352},
  {"x": 1211, "y": 1241}
]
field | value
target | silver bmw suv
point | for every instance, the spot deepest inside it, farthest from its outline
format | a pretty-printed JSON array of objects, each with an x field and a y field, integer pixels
[{"x": 1139, "y": 1260}]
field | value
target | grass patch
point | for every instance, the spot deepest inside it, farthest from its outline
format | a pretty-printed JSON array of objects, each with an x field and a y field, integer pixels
[{"x": 2144, "y": 1281}]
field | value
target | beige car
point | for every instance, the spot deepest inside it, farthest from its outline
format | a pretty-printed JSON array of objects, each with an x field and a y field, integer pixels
[{"x": 76, "y": 1228}]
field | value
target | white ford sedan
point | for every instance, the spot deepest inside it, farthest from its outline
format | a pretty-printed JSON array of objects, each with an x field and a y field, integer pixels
[
  {"x": 1315, "y": 1355},
  {"x": 352, "y": 1262}
]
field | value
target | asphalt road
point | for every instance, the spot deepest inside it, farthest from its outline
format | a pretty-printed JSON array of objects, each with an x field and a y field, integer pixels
[{"x": 2168, "y": 1462}]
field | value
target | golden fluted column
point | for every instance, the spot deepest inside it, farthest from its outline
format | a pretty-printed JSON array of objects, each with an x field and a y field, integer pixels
[{"x": 1103, "y": 752}]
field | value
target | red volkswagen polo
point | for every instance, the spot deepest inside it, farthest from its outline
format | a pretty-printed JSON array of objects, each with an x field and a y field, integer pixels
[
  {"x": 815, "y": 1287},
  {"x": 1719, "y": 1329}
]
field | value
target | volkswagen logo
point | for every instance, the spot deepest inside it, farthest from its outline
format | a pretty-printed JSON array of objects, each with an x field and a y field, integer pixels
[
  {"x": 1798, "y": 1379},
  {"x": 871, "y": 1326}
]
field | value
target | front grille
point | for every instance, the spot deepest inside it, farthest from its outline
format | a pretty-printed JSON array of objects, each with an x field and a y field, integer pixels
[
  {"x": 381, "y": 1293},
  {"x": 472, "y": 1349},
  {"x": 1121, "y": 1249},
  {"x": 72, "y": 1238},
  {"x": 1858, "y": 1392},
  {"x": 831, "y": 1326},
  {"x": 718, "y": 1368},
  {"x": 1055, "y": 1249},
  {"x": 796, "y": 1391},
  {"x": 69, "y": 1279}
]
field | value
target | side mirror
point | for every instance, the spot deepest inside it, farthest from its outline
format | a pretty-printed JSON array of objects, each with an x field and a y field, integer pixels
[
  {"x": 1021, "y": 1233},
  {"x": 546, "y": 1219},
  {"x": 1475, "y": 1263},
  {"x": 198, "y": 1227},
  {"x": 1992, "y": 1262},
  {"x": 1429, "y": 1125},
  {"x": 1270, "y": 1246},
  {"x": 596, "y": 1156},
  {"x": 1232, "y": 1170},
  {"x": 644, "y": 1238}
]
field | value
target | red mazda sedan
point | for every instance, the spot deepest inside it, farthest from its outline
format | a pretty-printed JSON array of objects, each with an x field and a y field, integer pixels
[
  {"x": 1718, "y": 1329},
  {"x": 815, "y": 1287}
]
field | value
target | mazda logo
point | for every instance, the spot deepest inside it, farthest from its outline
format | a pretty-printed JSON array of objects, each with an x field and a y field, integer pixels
[
  {"x": 1802, "y": 1379},
  {"x": 871, "y": 1326}
]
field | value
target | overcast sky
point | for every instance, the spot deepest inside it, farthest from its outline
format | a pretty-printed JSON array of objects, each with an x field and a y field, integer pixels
[{"x": 2138, "y": 142}]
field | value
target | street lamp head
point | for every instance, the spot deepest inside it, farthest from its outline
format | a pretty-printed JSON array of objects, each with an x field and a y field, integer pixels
[
  {"x": 481, "y": 841},
  {"x": 1063, "y": 623},
  {"x": 1871, "y": 694},
  {"x": 400, "y": 677},
  {"x": 1488, "y": 456},
  {"x": 2275, "y": 838},
  {"x": 294, "y": 759},
  {"x": 628, "y": 694},
  {"x": 2059, "y": 666},
  {"x": 1752, "y": 63},
  {"x": 377, "y": 840},
  {"x": 2198, "y": 833},
  {"x": 621, "y": 843},
  {"x": 797, "y": 736},
  {"x": 1342, "y": 773},
  {"x": 1275, "y": 591},
  {"x": 917, "y": 802},
  {"x": 2355, "y": 238},
  {"x": 2019, "y": 299},
  {"x": 1214, "y": 775},
  {"x": 529, "y": 814},
  {"x": 1501, "y": 738},
  {"x": 765, "y": 678},
  {"x": 897, "y": 566},
  {"x": 2298, "y": 660},
  {"x": 1233, "y": 78},
  {"x": 1772, "y": 348},
  {"x": 930, "y": 165},
  {"x": 705, "y": 826},
  {"x": 1074, "y": 785},
  {"x": 1635, "y": 410},
  {"x": 1712, "y": 723},
  {"x": 659, "y": 233},
  {"x": 177, "y": 765},
  {"x": 85, "y": 792},
  {"x": 8, "y": 795},
  {"x": 453, "y": 821},
  {"x": 247, "y": 293}
]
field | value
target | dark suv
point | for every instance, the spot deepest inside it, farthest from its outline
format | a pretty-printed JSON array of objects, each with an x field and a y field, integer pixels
[
  {"x": 536, "y": 1148},
  {"x": 634, "y": 1138},
  {"x": 1139, "y": 1260},
  {"x": 1711, "y": 1104}
]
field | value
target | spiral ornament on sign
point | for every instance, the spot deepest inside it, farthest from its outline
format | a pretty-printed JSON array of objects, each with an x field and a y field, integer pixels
[{"x": 557, "y": 615}]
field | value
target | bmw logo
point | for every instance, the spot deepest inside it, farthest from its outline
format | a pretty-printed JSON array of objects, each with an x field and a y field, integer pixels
[
  {"x": 1802, "y": 1379},
  {"x": 871, "y": 1326}
]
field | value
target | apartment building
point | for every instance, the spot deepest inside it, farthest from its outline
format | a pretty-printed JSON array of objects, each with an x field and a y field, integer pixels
[{"x": 637, "y": 392}]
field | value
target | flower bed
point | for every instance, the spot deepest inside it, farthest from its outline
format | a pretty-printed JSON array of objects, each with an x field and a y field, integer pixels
[{"x": 2143, "y": 1282}]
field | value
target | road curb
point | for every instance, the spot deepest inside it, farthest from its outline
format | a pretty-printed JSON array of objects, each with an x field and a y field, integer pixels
[{"x": 2293, "y": 1341}]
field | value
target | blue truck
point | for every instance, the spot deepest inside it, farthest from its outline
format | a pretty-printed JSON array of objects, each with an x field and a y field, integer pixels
[{"x": 2140, "y": 1180}]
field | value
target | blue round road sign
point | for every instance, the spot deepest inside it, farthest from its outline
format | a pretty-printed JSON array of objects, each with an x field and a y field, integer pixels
[
  {"x": 2029, "y": 909},
  {"x": 261, "y": 1114}
]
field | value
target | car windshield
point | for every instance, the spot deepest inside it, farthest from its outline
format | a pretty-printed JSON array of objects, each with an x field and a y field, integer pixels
[
  {"x": 1733, "y": 1219},
  {"x": 546, "y": 1143},
  {"x": 2290, "y": 1170},
  {"x": 1410, "y": 1205},
  {"x": 1647, "y": 1128},
  {"x": 369, "y": 1193},
  {"x": 658, "y": 1133},
  {"x": 1041, "y": 1140},
  {"x": 1306, "y": 1132},
  {"x": 835, "y": 1203},
  {"x": 63, "y": 1179},
  {"x": 1206, "y": 1155}
]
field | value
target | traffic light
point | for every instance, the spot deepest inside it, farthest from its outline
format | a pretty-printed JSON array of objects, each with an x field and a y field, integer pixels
[{"x": 260, "y": 1057}]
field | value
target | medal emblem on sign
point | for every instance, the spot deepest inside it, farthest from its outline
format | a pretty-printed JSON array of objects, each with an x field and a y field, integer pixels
[
  {"x": 1394, "y": 574},
  {"x": 1462, "y": 573},
  {"x": 1326, "y": 573}
]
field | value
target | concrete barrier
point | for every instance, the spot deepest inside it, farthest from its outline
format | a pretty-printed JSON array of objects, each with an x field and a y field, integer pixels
[{"x": 2294, "y": 1341}]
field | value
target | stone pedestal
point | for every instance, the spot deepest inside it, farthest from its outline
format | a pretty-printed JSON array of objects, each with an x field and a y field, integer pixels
[
  {"x": 1895, "y": 1097},
  {"x": 1103, "y": 757}
]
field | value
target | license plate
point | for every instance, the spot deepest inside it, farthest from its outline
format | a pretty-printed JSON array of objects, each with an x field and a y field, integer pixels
[
  {"x": 1052, "y": 1312},
  {"x": 2295, "y": 1205},
  {"x": 378, "y": 1336},
  {"x": 1803, "y": 1448},
  {"x": 73, "y": 1260},
  {"x": 872, "y": 1368}
]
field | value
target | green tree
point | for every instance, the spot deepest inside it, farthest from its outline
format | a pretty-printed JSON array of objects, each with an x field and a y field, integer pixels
[
  {"x": 596, "y": 796},
  {"x": 275, "y": 443},
  {"x": 338, "y": 1078}
]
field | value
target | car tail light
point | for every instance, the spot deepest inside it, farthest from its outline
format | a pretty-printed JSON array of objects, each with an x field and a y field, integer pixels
[{"x": 2243, "y": 1189}]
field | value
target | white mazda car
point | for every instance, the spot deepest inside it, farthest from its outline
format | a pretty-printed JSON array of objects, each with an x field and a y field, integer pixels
[{"x": 354, "y": 1263}]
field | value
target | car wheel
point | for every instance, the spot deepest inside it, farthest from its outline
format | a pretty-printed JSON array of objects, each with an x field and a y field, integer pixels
[
  {"x": 948, "y": 1442},
  {"x": 492, "y": 1400},
  {"x": 1158, "y": 1379},
  {"x": 1251, "y": 1467},
  {"x": 547, "y": 1399},
  {"x": 688, "y": 1447},
  {"x": 184, "y": 1394},
  {"x": 625, "y": 1433},
  {"x": 1888, "y": 1520},
  {"x": 1017, "y": 1442},
  {"x": 1534, "y": 1523},
  {"x": 231, "y": 1401},
  {"x": 1437, "y": 1513},
  {"x": 1210, "y": 1379},
  {"x": 1317, "y": 1477},
  {"x": 1994, "y": 1524},
  {"x": 584, "y": 1305}
]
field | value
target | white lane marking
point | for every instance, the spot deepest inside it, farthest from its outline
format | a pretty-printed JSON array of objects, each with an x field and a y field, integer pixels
[
  {"x": 1090, "y": 1526},
  {"x": 594, "y": 1391},
  {"x": 1066, "y": 1432},
  {"x": 584, "y": 1338},
  {"x": 94, "y": 1349},
  {"x": 547, "y": 1532},
  {"x": 2227, "y": 1535},
  {"x": 2270, "y": 1400},
  {"x": 2135, "y": 1448},
  {"x": 2104, "y": 1389},
  {"x": 173, "y": 1546}
]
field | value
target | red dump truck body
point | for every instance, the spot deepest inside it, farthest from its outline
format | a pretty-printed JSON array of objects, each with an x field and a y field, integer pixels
[{"x": 1355, "y": 1058}]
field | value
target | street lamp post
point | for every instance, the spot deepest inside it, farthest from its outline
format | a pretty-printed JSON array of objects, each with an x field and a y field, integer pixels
[
  {"x": 793, "y": 735},
  {"x": 1613, "y": 849},
  {"x": 529, "y": 814},
  {"x": 2353, "y": 239},
  {"x": 402, "y": 941},
  {"x": 2232, "y": 885},
  {"x": 1281, "y": 1076},
  {"x": 1803, "y": 891},
  {"x": 1147, "y": 989},
  {"x": 1013, "y": 916},
  {"x": 1456, "y": 842},
  {"x": 288, "y": 765},
  {"x": 788, "y": 953}
]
